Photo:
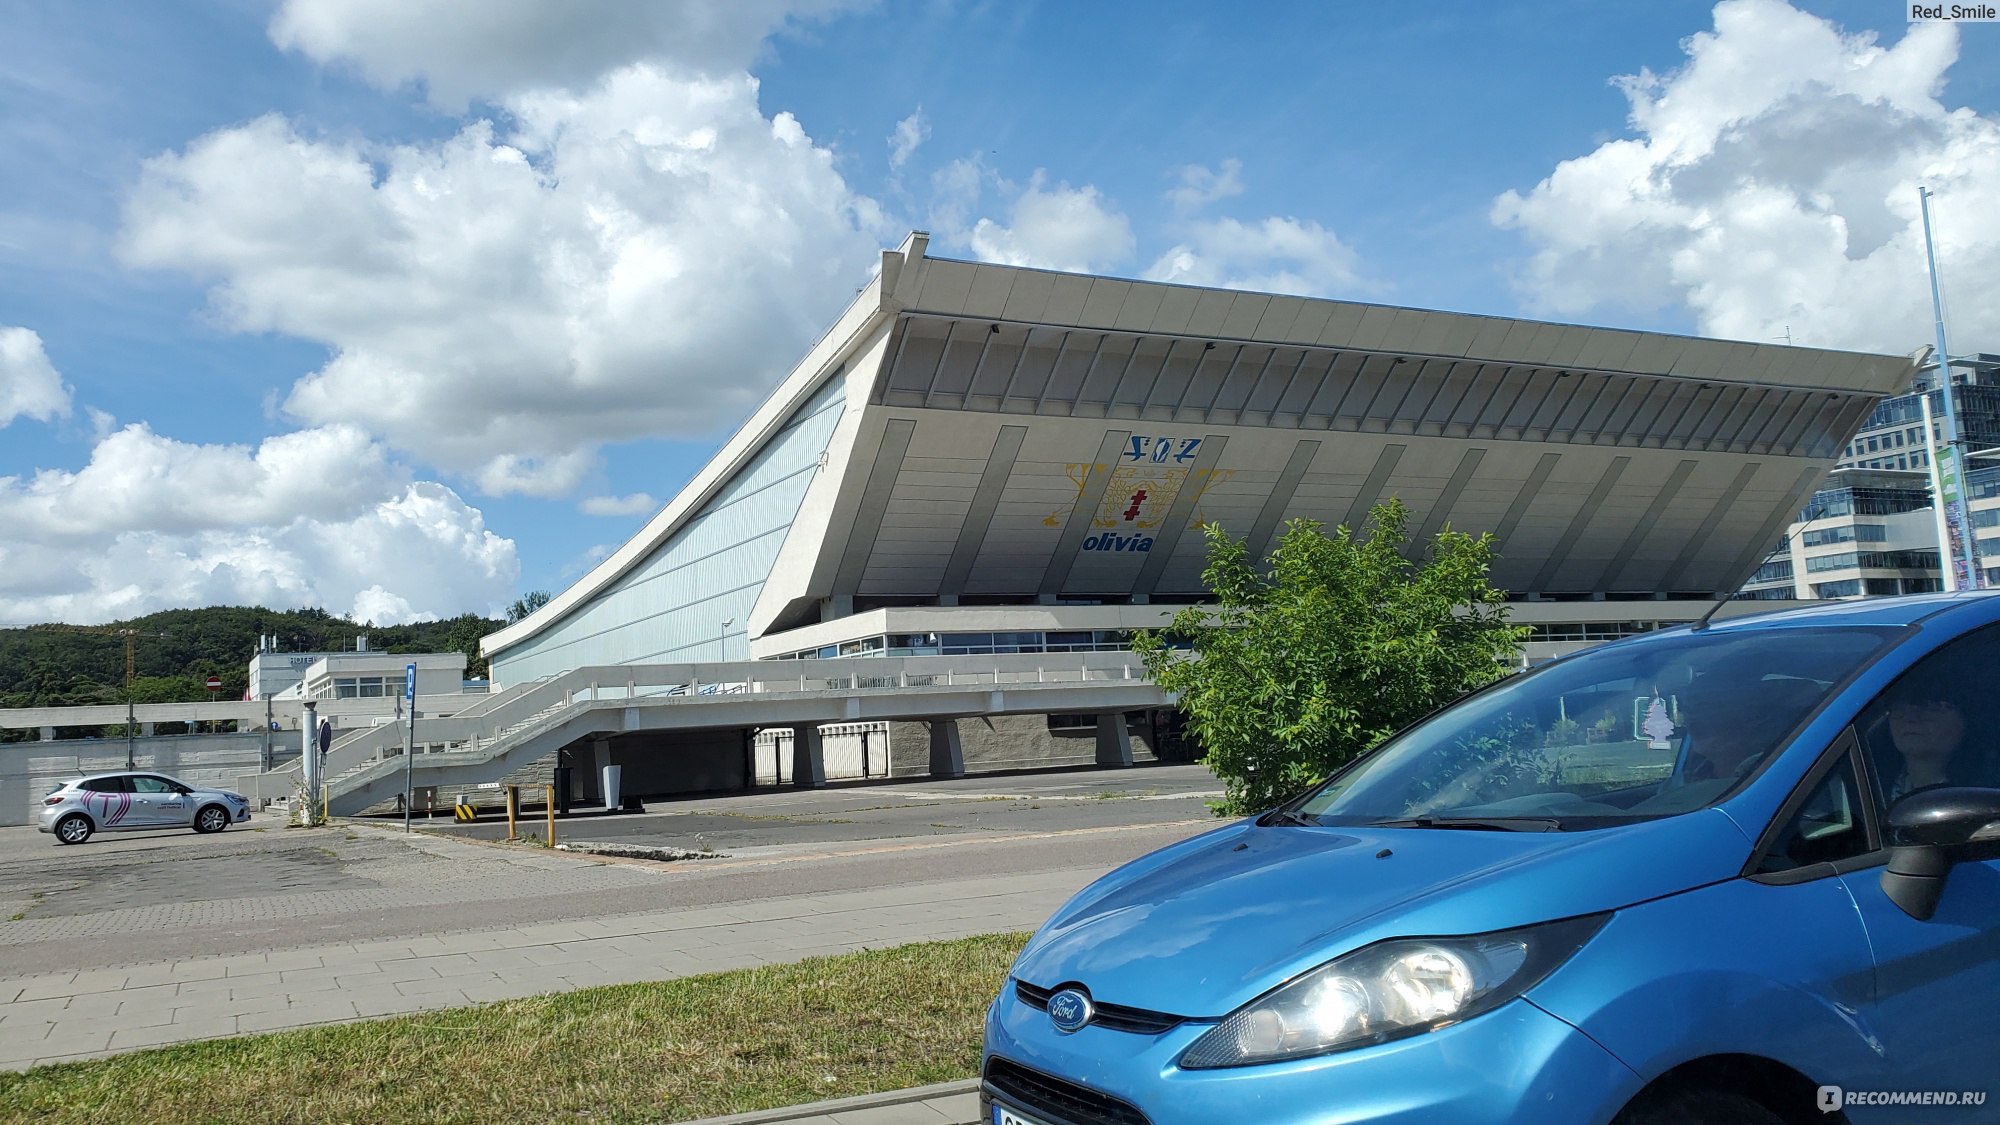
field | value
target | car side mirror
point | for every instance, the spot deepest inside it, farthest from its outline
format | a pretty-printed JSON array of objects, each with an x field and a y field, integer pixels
[{"x": 1931, "y": 830}]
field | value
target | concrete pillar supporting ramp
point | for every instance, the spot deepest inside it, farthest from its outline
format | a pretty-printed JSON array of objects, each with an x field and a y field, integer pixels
[
  {"x": 1114, "y": 742},
  {"x": 600, "y": 755},
  {"x": 808, "y": 757},
  {"x": 947, "y": 753}
]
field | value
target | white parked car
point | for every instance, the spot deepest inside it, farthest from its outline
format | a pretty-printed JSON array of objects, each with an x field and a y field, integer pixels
[{"x": 109, "y": 802}]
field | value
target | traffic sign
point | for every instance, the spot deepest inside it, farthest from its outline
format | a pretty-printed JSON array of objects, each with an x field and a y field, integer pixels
[
  {"x": 215, "y": 683},
  {"x": 410, "y": 682}
]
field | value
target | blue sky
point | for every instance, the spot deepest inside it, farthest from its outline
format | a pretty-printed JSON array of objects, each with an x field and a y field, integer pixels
[{"x": 403, "y": 310}]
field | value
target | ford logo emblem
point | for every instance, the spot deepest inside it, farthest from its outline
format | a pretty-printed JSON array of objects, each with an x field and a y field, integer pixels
[{"x": 1070, "y": 1009}]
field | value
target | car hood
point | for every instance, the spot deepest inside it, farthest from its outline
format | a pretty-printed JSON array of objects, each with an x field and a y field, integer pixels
[{"x": 1204, "y": 926}]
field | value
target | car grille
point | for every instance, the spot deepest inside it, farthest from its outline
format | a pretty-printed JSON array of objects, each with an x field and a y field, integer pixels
[
  {"x": 1052, "y": 1097},
  {"x": 1115, "y": 1017}
]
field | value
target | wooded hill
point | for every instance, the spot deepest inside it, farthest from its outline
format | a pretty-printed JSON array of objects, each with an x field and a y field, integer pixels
[{"x": 174, "y": 652}]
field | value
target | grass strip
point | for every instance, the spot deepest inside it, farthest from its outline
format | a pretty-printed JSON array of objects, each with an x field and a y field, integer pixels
[{"x": 776, "y": 1035}]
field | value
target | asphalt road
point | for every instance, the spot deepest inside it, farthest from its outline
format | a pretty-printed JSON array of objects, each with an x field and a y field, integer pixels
[{"x": 128, "y": 898}]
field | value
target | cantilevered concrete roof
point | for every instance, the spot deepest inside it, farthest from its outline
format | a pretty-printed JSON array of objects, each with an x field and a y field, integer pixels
[{"x": 1010, "y": 432}]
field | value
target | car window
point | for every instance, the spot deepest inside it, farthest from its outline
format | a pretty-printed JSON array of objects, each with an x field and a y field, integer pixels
[
  {"x": 1935, "y": 724},
  {"x": 151, "y": 785},
  {"x": 1627, "y": 732},
  {"x": 106, "y": 785},
  {"x": 1826, "y": 828}
]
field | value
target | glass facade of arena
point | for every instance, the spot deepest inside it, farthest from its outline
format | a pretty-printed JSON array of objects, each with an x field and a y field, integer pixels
[{"x": 691, "y": 599}]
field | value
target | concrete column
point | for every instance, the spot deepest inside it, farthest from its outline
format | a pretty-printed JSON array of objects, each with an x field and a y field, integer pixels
[
  {"x": 600, "y": 756},
  {"x": 309, "y": 761},
  {"x": 48, "y": 734},
  {"x": 1114, "y": 744},
  {"x": 808, "y": 757},
  {"x": 145, "y": 730},
  {"x": 947, "y": 753}
]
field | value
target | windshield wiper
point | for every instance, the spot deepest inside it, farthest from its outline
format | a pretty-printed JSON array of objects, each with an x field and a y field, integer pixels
[
  {"x": 1289, "y": 817},
  {"x": 1477, "y": 824}
]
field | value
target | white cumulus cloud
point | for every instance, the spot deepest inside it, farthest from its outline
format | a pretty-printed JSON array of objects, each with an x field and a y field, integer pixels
[
  {"x": 910, "y": 132},
  {"x": 319, "y": 517},
  {"x": 642, "y": 258},
  {"x": 1770, "y": 182},
  {"x": 139, "y": 481},
  {"x": 29, "y": 385},
  {"x": 1058, "y": 228},
  {"x": 1201, "y": 185},
  {"x": 639, "y": 503},
  {"x": 1277, "y": 255},
  {"x": 462, "y": 49}
]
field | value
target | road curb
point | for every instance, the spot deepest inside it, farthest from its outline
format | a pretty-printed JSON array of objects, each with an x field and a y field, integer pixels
[{"x": 847, "y": 1105}]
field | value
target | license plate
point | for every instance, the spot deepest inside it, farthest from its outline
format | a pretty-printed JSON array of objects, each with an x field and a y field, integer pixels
[{"x": 1002, "y": 1115}]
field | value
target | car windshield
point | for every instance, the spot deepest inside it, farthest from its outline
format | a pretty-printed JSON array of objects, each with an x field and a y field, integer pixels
[{"x": 1610, "y": 736}]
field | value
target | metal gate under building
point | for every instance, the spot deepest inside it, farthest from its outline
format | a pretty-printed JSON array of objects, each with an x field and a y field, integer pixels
[{"x": 854, "y": 751}]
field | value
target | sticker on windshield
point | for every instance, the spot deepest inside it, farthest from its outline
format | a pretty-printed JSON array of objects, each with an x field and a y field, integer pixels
[{"x": 1658, "y": 727}]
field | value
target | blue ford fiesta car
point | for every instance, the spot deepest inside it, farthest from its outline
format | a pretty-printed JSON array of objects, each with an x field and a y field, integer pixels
[{"x": 1740, "y": 873}]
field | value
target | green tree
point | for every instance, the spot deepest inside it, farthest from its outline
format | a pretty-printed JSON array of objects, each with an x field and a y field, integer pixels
[
  {"x": 43, "y": 666},
  {"x": 526, "y": 604},
  {"x": 464, "y": 634},
  {"x": 1339, "y": 641}
]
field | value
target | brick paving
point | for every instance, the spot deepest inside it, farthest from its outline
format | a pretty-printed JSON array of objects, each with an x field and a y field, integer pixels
[{"x": 58, "y": 1016}]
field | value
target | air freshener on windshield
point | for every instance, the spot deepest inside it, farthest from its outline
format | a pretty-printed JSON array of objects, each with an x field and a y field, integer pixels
[{"x": 1658, "y": 727}]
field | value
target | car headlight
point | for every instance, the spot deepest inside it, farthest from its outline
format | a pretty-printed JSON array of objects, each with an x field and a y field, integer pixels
[{"x": 1389, "y": 990}]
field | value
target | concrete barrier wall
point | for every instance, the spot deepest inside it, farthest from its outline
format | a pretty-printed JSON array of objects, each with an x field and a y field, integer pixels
[
  {"x": 994, "y": 743},
  {"x": 28, "y": 770}
]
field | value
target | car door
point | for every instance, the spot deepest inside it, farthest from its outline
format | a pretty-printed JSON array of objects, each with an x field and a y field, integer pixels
[
  {"x": 158, "y": 803},
  {"x": 1822, "y": 831},
  {"x": 1937, "y": 981},
  {"x": 108, "y": 800}
]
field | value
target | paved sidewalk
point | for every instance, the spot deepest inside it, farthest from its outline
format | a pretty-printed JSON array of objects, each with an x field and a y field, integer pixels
[{"x": 57, "y": 1016}]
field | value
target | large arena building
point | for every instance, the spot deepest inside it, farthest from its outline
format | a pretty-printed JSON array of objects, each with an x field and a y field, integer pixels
[
  {"x": 990, "y": 461},
  {"x": 984, "y": 477},
  {"x": 987, "y": 458}
]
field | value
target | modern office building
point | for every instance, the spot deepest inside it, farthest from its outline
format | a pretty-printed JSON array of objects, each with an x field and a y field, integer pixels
[
  {"x": 1870, "y": 530},
  {"x": 1891, "y": 437}
]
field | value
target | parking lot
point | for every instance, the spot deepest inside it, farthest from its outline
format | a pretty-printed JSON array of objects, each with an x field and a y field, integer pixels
[
  {"x": 136, "y": 939},
  {"x": 796, "y": 819},
  {"x": 138, "y": 896}
]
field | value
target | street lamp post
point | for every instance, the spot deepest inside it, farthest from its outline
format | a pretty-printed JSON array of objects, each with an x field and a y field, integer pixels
[
  {"x": 1959, "y": 550},
  {"x": 722, "y": 641}
]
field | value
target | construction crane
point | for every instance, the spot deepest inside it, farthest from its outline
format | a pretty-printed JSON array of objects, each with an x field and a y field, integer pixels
[{"x": 131, "y": 647}]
